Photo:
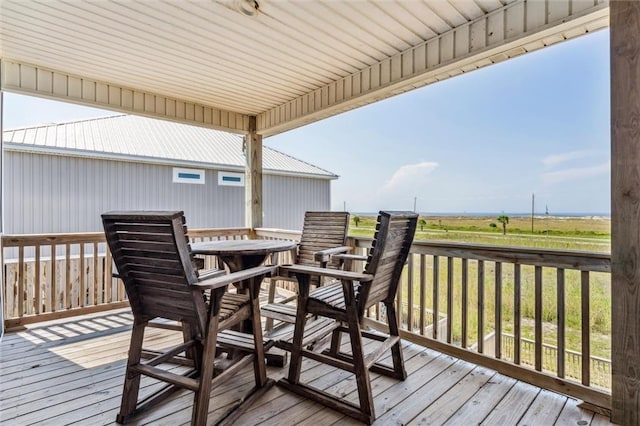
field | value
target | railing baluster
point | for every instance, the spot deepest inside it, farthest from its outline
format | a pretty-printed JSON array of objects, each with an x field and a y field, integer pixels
[
  {"x": 586, "y": 329},
  {"x": 436, "y": 279},
  {"x": 83, "y": 284},
  {"x": 561, "y": 323},
  {"x": 517, "y": 304},
  {"x": 410, "y": 293},
  {"x": 21, "y": 289},
  {"x": 108, "y": 281},
  {"x": 538, "y": 318},
  {"x": 423, "y": 291},
  {"x": 498, "y": 310},
  {"x": 52, "y": 289},
  {"x": 481, "y": 306},
  {"x": 97, "y": 296},
  {"x": 449, "y": 299},
  {"x": 36, "y": 280},
  {"x": 67, "y": 276},
  {"x": 465, "y": 300}
]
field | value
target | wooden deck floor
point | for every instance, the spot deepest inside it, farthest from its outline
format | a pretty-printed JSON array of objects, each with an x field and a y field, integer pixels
[{"x": 71, "y": 372}]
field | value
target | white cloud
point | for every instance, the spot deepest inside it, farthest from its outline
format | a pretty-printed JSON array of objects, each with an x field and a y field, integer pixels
[
  {"x": 575, "y": 173},
  {"x": 555, "y": 159},
  {"x": 409, "y": 175}
]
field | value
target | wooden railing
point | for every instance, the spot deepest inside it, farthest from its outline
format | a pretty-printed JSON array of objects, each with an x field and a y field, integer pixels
[
  {"x": 600, "y": 368},
  {"x": 482, "y": 293},
  {"x": 475, "y": 291},
  {"x": 50, "y": 276},
  {"x": 478, "y": 290}
]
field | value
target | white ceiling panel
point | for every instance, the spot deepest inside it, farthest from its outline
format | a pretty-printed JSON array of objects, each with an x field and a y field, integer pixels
[{"x": 210, "y": 63}]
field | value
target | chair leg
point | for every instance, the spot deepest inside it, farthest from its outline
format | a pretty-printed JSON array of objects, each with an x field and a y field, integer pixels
[
  {"x": 193, "y": 353},
  {"x": 202, "y": 396},
  {"x": 131, "y": 386},
  {"x": 268, "y": 325},
  {"x": 396, "y": 350},
  {"x": 260, "y": 368},
  {"x": 295, "y": 365},
  {"x": 360, "y": 369}
]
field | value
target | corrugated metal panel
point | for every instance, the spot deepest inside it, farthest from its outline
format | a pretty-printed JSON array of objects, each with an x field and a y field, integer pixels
[
  {"x": 287, "y": 198},
  {"x": 140, "y": 137},
  {"x": 45, "y": 193}
]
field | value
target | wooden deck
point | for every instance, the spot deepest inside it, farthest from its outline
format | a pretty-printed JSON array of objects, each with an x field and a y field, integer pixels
[{"x": 71, "y": 372}]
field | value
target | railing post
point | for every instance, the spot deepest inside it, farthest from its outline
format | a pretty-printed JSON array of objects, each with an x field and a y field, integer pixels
[
  {"x": 625, "y": 215},
  {"x": 253, "y": 176}
]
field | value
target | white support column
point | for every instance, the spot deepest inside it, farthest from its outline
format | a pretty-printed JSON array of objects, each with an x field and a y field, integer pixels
[
  {"x": 625, "y": 210},
  {"x": 253, "y": 177}
]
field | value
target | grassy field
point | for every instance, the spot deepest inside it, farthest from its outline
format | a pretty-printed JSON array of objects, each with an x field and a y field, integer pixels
[
  {"x": 571, "y": 233},
  {"x": 594, "y": 226},
  {"x": 584, "y": 234}
]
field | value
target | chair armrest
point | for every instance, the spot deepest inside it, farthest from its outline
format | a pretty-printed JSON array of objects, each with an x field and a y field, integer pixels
[
  {"x": 324, "y": 255},
  {"x": 224, "y": 280},
  {"x": 333, "y": 273},
  {"x": 351, "y": 257},
  {"x": 211, "y": 273}
]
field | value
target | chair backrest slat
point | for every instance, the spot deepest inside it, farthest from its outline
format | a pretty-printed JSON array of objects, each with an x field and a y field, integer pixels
[
  {"x": 153, "y": 257},
  {"x": 322, "y": 230},
  {"x": 387, "y": 256}
]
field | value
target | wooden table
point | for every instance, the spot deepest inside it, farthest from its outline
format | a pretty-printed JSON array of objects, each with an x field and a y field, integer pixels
[
  {"x": 241, "y": 254},
  {"x": 244, "y": 254}
]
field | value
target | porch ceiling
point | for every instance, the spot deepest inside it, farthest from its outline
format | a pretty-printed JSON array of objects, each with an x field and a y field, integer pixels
[{"x": 294, "y": 62}]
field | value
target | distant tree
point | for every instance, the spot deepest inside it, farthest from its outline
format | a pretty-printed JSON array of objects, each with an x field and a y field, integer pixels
[
  {"x": 503, "y": 220},
  {"x": 493, "y": 225},
  {"x": 356, "y": 220},
  {"x": 422, "y": 224}
]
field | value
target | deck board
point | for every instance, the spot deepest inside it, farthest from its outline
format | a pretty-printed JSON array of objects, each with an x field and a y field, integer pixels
[
  {"x": 483, "y": 402},
  {"x": 451, "y": 401},
  {"x": 71, "y": 372},
  {"x": 545, "y": 409}
]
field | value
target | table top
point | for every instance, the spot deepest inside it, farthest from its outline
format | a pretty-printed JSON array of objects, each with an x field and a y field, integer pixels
[{"x": 241, "y": 247}]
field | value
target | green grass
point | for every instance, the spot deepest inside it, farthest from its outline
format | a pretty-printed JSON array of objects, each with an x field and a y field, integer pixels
[
  {"x": 591, "y": 228},
  {"x": 573, "y": 234}
]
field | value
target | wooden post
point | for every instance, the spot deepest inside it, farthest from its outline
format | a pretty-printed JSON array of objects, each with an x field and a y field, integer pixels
[
  {"x": 253, "y": 177},
  {"x": 625, "y": 211}
]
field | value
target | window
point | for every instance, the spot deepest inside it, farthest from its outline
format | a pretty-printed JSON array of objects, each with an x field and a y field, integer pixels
[
  {"x": 230, "y": 179},
  {"x": 188, "y": 176}
]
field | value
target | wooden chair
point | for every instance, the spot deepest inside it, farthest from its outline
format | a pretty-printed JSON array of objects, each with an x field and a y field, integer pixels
[
  {"x": 324, "y": 234},
  {"x": 153, "y": 257},
  {"x": 346, "y": 303}
]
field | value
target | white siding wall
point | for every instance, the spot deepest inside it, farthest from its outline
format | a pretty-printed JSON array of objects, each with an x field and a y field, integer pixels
[
  {"x": 285, "y": 199},
  {"x": 52, "y": 193}
]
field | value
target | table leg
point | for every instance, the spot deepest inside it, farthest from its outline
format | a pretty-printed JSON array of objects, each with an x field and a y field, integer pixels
[{"x": 275, "y": 356}]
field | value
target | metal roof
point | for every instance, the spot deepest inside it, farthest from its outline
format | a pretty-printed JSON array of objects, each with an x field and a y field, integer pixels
[
  {"x": 287, "y": 62},
  {"x": 136, "y": 138}
]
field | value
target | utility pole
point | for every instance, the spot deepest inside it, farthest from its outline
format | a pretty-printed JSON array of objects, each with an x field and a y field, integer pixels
[
  {"x": 415, "y": 201},
  {"x": 344, "y": 206},
  {"x": 533, "y": 201}
]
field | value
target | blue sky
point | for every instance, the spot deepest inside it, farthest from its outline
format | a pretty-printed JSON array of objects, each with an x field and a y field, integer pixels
[{"x": 480, "y": 142}]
